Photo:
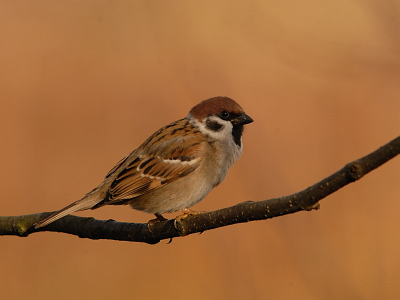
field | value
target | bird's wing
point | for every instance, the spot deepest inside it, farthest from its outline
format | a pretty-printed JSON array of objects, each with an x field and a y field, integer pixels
[{"x": 155, "y": 167}]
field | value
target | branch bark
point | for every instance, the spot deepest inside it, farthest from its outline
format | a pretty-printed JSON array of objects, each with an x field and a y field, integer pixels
[{"x": 243, "y": 212}]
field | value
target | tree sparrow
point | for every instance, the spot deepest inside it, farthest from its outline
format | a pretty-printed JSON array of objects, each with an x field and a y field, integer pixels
[{"x": 176, "y": 167}]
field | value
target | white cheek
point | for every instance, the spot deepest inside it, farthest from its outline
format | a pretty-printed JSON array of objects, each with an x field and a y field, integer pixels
[{"x": 224, "y": 136}]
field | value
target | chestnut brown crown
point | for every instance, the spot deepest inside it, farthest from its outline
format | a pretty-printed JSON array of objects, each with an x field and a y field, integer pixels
[{"x": 215, "y": 106}]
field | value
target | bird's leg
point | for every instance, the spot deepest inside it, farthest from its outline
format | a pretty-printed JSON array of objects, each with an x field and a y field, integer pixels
[{"x": 159, "y": 218}]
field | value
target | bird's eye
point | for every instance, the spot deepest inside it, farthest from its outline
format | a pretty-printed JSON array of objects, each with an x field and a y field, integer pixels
[{"x": 224, "y": 114}]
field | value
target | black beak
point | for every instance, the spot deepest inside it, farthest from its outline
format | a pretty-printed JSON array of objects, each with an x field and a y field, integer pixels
[{"x": 242, "y": 120}]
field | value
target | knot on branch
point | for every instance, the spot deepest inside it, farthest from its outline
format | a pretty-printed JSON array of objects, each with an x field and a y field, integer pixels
[
  {"x": 315, "y": 206},
  {"x": 354, "y": 171}
]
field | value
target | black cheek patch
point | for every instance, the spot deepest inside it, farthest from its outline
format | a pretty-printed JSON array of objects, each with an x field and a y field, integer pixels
[{"x": 213, "y": 125}]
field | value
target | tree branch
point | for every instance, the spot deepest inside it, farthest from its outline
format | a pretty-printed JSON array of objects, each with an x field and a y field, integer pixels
[{"x": 242, "y": 212}]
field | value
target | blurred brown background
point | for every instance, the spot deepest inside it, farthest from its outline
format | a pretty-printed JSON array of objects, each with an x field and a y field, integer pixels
[{"x": 82, "y": 83}]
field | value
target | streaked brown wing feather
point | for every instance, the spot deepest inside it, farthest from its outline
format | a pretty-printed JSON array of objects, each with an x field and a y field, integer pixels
[
  {"x": 158, "y": 164},
  {"x": 117, "y": 165}
]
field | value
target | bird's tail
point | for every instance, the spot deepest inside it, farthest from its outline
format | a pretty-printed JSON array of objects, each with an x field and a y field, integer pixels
[{"x": 86, "y": 202}]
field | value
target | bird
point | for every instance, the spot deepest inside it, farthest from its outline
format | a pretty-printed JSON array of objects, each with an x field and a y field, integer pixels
[{"x": 176, "y": 167}]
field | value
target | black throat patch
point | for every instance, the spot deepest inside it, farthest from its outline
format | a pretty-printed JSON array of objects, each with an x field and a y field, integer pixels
[{"x": 237, "y": 132}]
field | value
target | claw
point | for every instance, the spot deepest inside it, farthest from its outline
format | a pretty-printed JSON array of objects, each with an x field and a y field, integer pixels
[{"x": 159, "y": 218}]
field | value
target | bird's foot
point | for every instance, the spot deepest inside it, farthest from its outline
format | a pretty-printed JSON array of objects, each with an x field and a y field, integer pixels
[
  {"x": 159, "y": 218},
  {"x": 186, "y": 212}
]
